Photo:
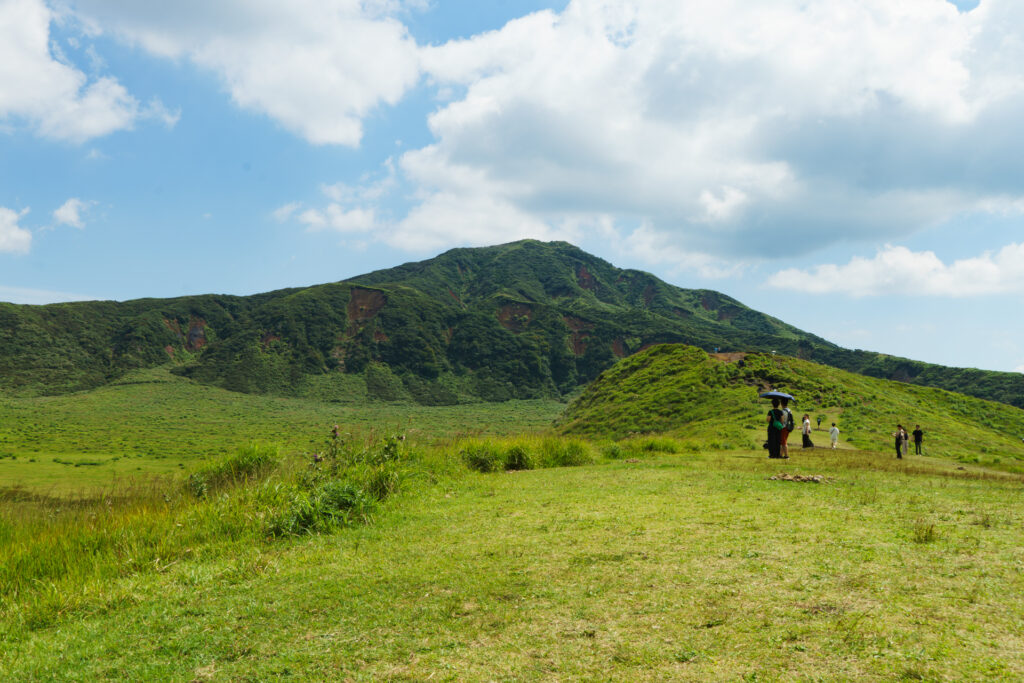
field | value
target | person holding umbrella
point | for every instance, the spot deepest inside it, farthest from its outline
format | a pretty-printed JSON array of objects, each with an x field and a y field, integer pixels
[{"x": 776, "y": 423}]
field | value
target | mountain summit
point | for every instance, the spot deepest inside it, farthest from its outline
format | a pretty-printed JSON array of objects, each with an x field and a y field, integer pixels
[{"x": 518, "y": 320}]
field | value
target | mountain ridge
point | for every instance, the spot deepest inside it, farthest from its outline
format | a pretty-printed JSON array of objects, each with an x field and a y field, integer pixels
[{"x": 517, "y": 320}]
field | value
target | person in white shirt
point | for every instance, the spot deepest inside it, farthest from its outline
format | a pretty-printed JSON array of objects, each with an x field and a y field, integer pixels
[
  {"x": 806, "y": 429},
  {"x": 834, "y": 434}
]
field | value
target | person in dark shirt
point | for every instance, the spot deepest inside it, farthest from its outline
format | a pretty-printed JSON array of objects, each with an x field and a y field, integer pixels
[
  {"x": 918, "y": 438},
  {"x": 775, "y": 416}
]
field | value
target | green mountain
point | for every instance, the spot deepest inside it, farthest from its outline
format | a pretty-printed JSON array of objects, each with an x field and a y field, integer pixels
[
  {"x": 518, "y": 320},
  {"x": 681, "y": 390}
]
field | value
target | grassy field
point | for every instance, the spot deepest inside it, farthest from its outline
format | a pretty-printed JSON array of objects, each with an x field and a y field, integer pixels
[
  {"x": 474, "y": 543},
  {"x": 671, "y": 566},
  {"x": 153, "y": 422}
]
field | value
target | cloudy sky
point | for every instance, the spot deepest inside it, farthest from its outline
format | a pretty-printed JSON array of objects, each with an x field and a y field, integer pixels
[{"x": 853, "y": 167}]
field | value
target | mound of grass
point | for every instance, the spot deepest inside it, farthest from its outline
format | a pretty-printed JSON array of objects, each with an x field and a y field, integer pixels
[{"x": 712, "y": 404}]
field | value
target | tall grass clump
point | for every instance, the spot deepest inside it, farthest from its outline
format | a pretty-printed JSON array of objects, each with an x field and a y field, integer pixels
[
  {"x": 248, "y": 462},
  {"x": 524, "y": 453},
  {"x": 341, "y": 486}
]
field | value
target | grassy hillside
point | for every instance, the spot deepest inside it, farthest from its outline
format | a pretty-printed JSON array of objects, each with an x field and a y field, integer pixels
[
  {"x": 520, "y": 320},
  {"x": 683, "y": 391}
]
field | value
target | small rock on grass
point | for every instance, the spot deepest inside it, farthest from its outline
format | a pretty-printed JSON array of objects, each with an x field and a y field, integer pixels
[{"x": 804, "y": 478}]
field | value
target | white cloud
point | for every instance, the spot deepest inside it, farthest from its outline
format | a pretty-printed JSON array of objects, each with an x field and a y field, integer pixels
[
  {"x": 1019, "y": 368},
  {"x": 13, "y": 238},
  {"x": 70, "y": 213},
  {"x": 36, "y": 297},
  {"x": 337, "y": 218},
  {"x": 897, "y": 269},
  {"x": 717, "y": 124},
  {"x": 40, "y": 88},
  {"x": 316, "y": 66},
  {"x": 286, "y": 211}
]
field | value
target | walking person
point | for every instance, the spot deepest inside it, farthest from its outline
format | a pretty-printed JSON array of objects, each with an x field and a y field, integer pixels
[
  {"x": 806, "y": 430},
  {"x": 918, "y": 438},
  {"x": 776, "y": 426},
  {"x": 789, "y": 426},
  {"x": 834, "y": 434}
]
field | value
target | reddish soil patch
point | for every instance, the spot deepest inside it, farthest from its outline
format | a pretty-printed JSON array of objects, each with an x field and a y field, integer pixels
[
  {"x": 379, "y": 336},
  {"x": 174, "y": 327},
  {"x": 579, "y": 333},
  {"x": 515, "y": 317},
  {"x": 709, "y": 302},
  {"x": 729, "y": 357},
  {"x": 618, "y": 348},
  {"x": 267, "y": 338},
  {"x": 364, "y": 304},
  {"x": 585, "y": 279},
  {"x": 196, "y": 334},
  {"x": 681, "y": 312},
  {"x": 170, "y": 350}
]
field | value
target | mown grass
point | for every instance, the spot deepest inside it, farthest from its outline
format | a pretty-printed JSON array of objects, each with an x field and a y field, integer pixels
[{"x": 689, "y": 566}]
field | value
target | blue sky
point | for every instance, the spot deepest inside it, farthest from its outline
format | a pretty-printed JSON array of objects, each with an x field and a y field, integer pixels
[{"x": 853, "y": 167}]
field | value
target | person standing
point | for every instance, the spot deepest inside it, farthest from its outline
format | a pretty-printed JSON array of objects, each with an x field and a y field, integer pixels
[
  {"x": 906, "y": 441},
  {"x": 899, "y": 441},
  {"x": 834, "y": 434},
  {"x": 776, "y": 426},
  {"x": 788, "y": 421},
  {"x": 918, "y": 438},
  {"x": 806, "y": 430}
]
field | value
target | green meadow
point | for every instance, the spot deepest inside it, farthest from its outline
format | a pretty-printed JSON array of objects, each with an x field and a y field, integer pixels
[{"x": 640, "y": 534}]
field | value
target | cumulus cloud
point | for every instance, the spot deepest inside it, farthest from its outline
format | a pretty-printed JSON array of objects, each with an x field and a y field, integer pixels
[
  {"x": 898, "y": 269},
  {"x": 41, "y": 89},
  {"x": 70, "y": 213},
  {"x": 718, "y": 124},
  {"x": 316, "y": 66},
  {"x": 13, "y": 238}
]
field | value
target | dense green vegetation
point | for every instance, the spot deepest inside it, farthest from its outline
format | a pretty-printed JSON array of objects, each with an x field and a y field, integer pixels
[
  {"x": 681, "y": 390},
  {"x": 521, "y": 320}
]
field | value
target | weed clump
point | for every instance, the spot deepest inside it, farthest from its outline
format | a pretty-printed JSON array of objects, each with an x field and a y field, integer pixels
[
  {"x": 248, "y": 462},
  {"x": 341, "y": 486}
]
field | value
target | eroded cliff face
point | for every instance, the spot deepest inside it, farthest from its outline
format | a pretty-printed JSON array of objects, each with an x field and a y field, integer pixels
[
  {"x": 191, "y": 338},
  {"x": 364, "y": 304},
  {"x": 515, "y": 317}
]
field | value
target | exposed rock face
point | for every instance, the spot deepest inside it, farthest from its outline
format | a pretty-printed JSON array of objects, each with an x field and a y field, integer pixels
[
  {"x": 364, "y": 304},
  {"x": 579, "y": 333},
  {"x": 515, "y": 317},
  {"x": 618, "y": 348},
  {"x": 585, "y": 279},
  {"x": 192, "y": 340},
  {"x": 196, "y": 335}
]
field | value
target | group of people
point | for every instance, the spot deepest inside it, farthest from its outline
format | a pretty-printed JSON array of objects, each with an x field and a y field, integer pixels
[
  {"x": 781, "y": 423},
  {"x": 903, "y": 440}
]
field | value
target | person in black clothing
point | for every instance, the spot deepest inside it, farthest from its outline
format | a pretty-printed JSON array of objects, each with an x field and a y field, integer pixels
[
  {"x": 776, "y": 416},
  {"x": 918, "y": 438},
  {"x": 899, "y": 441}
]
